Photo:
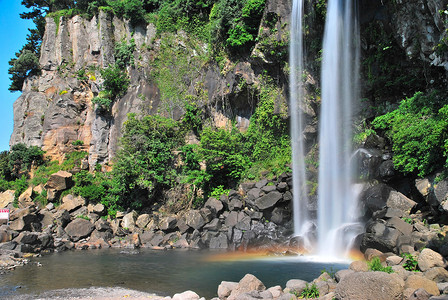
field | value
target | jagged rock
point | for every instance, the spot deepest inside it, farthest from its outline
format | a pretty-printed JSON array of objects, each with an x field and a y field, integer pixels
[
  {"x": 423, "y": 185},
  {"x": 102, "y": 225},
  {"x": 214, "y": 225},
  {"x": 232, "y": 219},
  {"x": 244, "y": 222},
  {"x": 98, "y": 209},
  {"x": 387, "y": 170},
  {"x": 219, "y": 242},
  {"x": 253, "y": 194},
  {"x": 370, "y": 286},
  {"x": 429, "y": 258},
  {"x": 25, "y": 199},
  {"x": 78, "y": 229},
  {"x": 207, "y": 214},
  {"x": 60, "y": 181},
  {"x": 46, "y": 218},
  {"x": 128, "y": 221},
  {"x": 235, "y": 204},
  {"x": 26, "y": 237},
  {"x": 101, "y": 235},
  {"x": 247, "y": 284},
  {"x": 143, "y": 220},
  {"x": 23, "y": 219},
  {"x": 62, "y": 217},
  {"x": 379, "y": 236},
  {"x": 182, "y": 224},
  {"x": 225, "y": 288},
  {"x": 194, "y": 219},
  {"x": 72, "y": 203},
  {"x": 415, "y": 282},
  {"x": 278, "y": 215},
  {"x": 282, "y": 187},
  {"x": 6, "y": 198},
  {"x": 268, "y": 188},
  {"x": 168, "y": 223},
  {"x": 400, "y": 225},
  {"x": 393, "y": 260},
  {"x": 268, "y": 200},
  {"x": 214, "y": 205},
  {"x": 261, "y": 183}
]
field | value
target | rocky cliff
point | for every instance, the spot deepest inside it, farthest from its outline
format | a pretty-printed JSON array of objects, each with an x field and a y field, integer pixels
[{"x": 55, "y": 108}]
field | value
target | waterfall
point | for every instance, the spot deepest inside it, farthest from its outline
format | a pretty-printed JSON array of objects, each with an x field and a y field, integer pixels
[
  {"x": 337, "y": 201},
  {"x": 300, "y": 195}
]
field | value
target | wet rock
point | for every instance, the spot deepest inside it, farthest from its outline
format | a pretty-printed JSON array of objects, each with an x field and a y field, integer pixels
[
  {"x": 219, "y": 242},
  {"x": 78, "y": 229},
  {"x": 370, "y": 286}
]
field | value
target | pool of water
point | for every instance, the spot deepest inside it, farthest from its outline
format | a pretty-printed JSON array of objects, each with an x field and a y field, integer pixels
[{"x": 160, "y": 272}]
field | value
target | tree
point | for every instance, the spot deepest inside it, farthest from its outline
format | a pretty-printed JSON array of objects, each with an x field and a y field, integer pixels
[
  {"x": 22, "y": 157},
  {"x": 24, "y": 65}
]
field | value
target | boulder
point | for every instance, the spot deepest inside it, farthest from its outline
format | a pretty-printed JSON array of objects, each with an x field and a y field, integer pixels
[
  {"x": 415, "y": 282},
  {"x": 235, "y": 204},
  {"x": 393, "y": 260},
  {"x": 359, "y": 266},
  {"x": 400, "y": 225},
  {"x": 168, "y": 223},
  {"x": 6, "y": 198},
  {"x": 247, "y": 284},
  {"x": 78, "y": 229},
  {"x": 296, "y": 286},
  {"x": 60, "y": 181},
  {"x": 232, "y": 219},
  {"x": 214, "y": 225},
  {"x": 98, "y": 209},
  {"x": 370, "y": 286},
  {"x": 261, "y": 183},
  {"x": 420, "y": 294},
  {"x": 214, "y": 205},
  {"x": 72, "y": 203},
  {"x": 219, "y": 242},
  {"x": 268, "y": 201},
  {"x": 379, "y": 236},
  {"x": 429, "y": 258},
  {"x": 188, "y": 295},
  {"x": 62, "y": 217},
  {"x": 268, "y": 188},
  {"x": 423, "y": 185},
  {"x": 102, "y": 225},
  {"x": 128, "y": 221},
  {"x": 282, "y": 187},
  {"x": 142, "y": 221},
  {"x": 194, "y": 219},
  {"x": 225, "y": 288},
  {"x": 341, "y": 274},
  {"x": 25, "y": 199},
  {"x": 46, "y": 218},
  {"x": 436, "y": 274}
]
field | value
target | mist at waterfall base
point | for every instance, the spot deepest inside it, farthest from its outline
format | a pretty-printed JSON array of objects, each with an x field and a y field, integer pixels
[
  {"x": 337, "y": 214},
  {"x": 160, "y": 272}
]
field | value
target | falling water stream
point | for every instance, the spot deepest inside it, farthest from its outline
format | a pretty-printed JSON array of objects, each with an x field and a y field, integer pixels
[
  {"x": 296, "y": 61},
  {"x": 336, "y": 193}
]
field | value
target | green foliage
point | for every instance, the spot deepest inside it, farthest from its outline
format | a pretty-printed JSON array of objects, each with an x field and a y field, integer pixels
[
  {"x": 218, "y": 191},
  {"x": 22, "y": 157},
  {"x": 19, "y": 185},
  {"x": 418, "y": 131},
  {"x": 144, "y": 164},
  {"x": 222, "y": 151},
  {"x": 124, "y": 53},
  {"x": 375, "y": 265},
  {"x": 410, "y": 263},
  {"x": 104, "y": 103},
  {"x": 26, "y": 64},
  {"x": 130, "y": 9},
  {"x": 116, "y": 81},
  {"x": 89, "y": 186},
  {"x": 78, "y": 143},
  {"x": 192, "y": 118},
  {"x": 310, "y": 291}
]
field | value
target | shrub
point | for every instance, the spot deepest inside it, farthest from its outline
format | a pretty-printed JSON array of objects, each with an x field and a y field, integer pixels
[
  {"x": 418, "y": 130},
  {"x": 411, "y": 263},
  {"x": 375, "y": 265},
  {"x": 310, "y": 291},
  {"x": 124, "y": 53},
  {"x": 22, "y": 157},
  {"x": 116, "y": 81},
  {"x": 78, "y": 143}
]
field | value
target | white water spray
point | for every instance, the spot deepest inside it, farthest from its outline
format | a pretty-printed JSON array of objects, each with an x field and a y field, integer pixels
[
  {"x": 300, "y": 195},
  {"x": 337, "y": 201}
]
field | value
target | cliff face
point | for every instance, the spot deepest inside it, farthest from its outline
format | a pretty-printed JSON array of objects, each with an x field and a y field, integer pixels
[{"x": 55, "y": 108}]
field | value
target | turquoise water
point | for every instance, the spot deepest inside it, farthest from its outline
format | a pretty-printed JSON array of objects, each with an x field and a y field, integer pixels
[{"x": 160, "y": 272}]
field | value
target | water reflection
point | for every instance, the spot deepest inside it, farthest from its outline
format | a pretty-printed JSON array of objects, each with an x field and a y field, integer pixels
[{"x": 160, "y": 272}]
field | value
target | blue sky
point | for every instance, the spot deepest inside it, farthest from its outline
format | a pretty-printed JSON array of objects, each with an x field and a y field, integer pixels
[{"x": 13, "y": 32}]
